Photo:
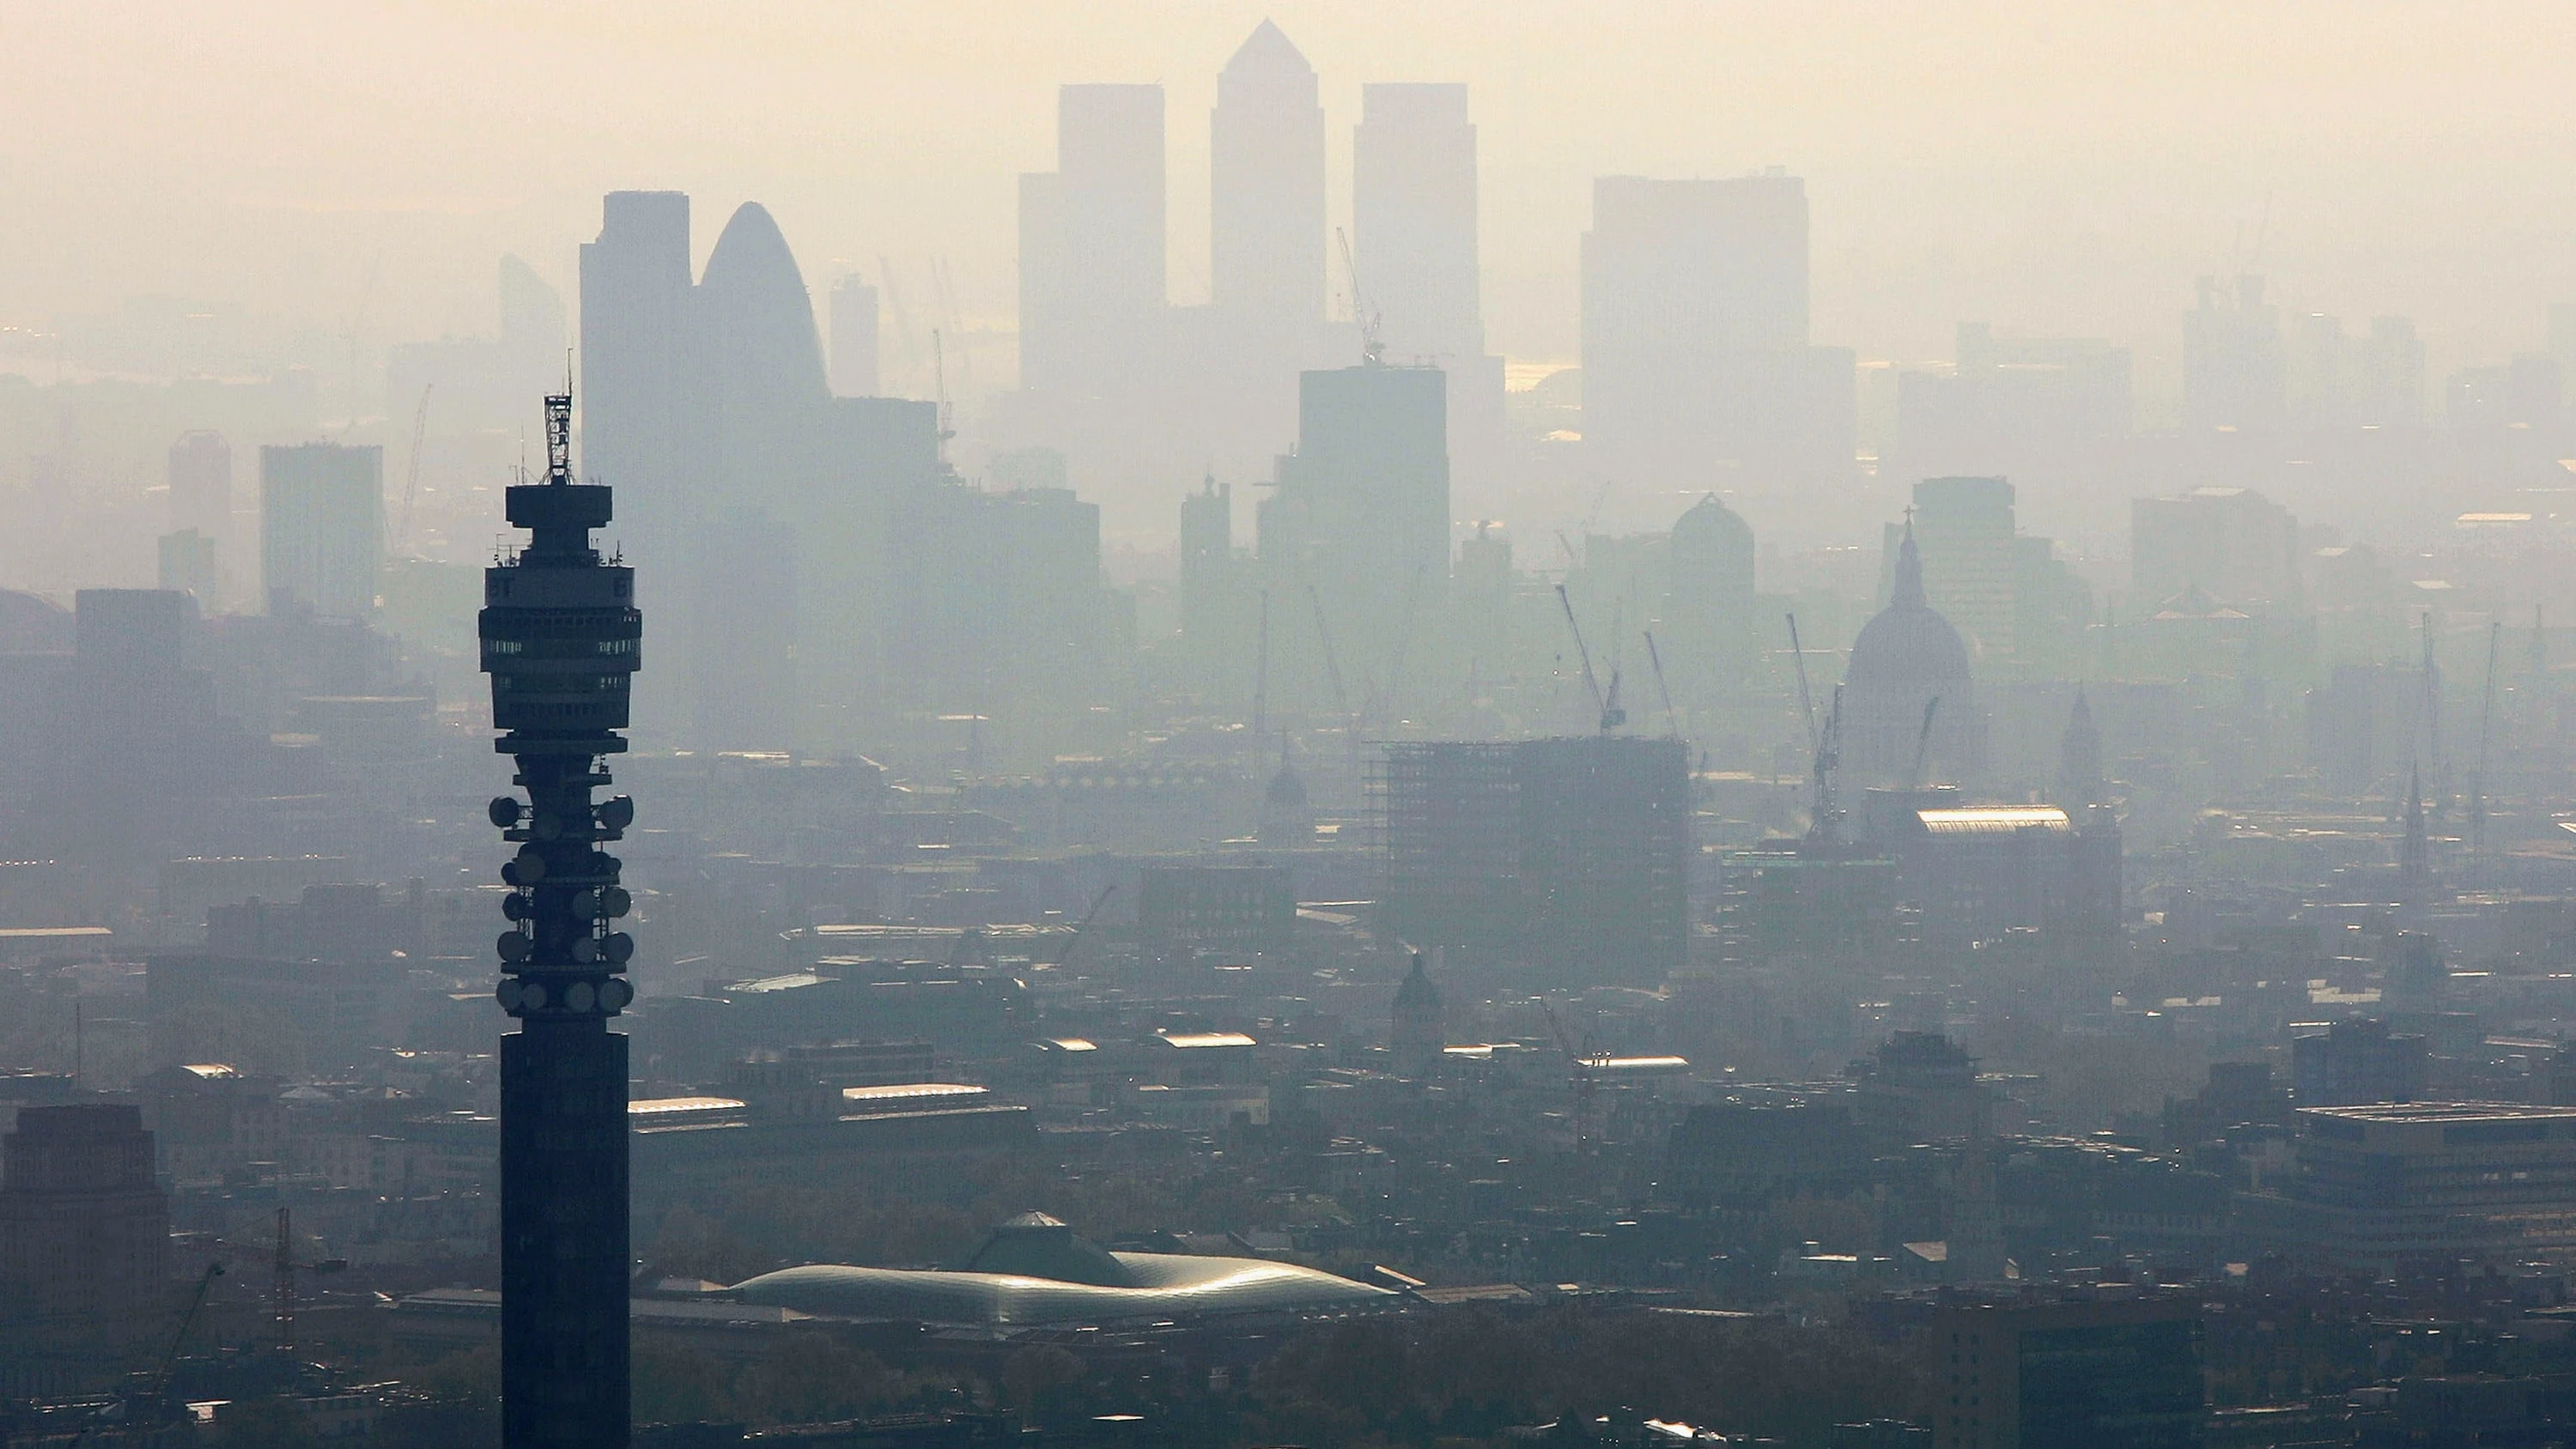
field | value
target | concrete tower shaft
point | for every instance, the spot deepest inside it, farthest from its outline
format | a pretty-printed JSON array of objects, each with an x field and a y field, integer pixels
[{"x": 561, "y": 640}]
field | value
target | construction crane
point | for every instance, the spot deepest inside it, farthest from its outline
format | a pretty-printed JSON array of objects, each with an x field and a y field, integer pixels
[
  {"x": 1261, "y": 674},
  {"x": 282, "y": 1281},
  {"x": 155, "y": 1397},
  {"x": 1672, "y": 720},
  {"x": 902, "y": 318},
  {"x": 1085, "y": 923},
  {"x": 1372, "y": 346},
  {"x": 169, "y": 1364},
  {"x": 1333, "y": 672},
  {"x": 411, "y": 479},
  {"x": 1403, "y": 641},
  {"x": 1806, "y": 701},
  {"x": 1922, "y": 744},
  {"x": 1584, "y": 1065},
  {"x": 944, "y": 282},
  {"x": 349, "y": 333},
  {"x": 2433, "y": 721},
  {"x": 939, "y": 374},
  {"x": 1825, "y": 743},
  {"x": 1612, "y": 716}
]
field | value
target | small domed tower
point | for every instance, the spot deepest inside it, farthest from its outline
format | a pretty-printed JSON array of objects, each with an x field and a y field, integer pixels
[
  {"x": 1420, "y": 1029},
  {"x": 1286, "y": 818}
]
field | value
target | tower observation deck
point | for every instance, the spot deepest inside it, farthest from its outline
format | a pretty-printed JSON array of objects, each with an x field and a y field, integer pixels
[{"x": 561, "y": 638}]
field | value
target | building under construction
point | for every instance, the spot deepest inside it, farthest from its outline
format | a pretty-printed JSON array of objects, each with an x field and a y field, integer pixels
[{"x": 1569, "y": 856}]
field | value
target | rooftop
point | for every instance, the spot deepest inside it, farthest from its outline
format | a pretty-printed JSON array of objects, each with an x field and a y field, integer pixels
[{"x": 1993, "y": 820}]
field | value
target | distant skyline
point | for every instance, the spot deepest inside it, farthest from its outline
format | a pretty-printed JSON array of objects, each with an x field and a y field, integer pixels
[{"x": 2047, "y": 167}]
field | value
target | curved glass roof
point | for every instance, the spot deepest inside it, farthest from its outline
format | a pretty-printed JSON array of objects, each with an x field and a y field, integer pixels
[{"x": 1159, "y": 1285}]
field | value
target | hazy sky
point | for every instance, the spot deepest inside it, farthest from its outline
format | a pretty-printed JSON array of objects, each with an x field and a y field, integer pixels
[{"x": 2060, "y": 167}]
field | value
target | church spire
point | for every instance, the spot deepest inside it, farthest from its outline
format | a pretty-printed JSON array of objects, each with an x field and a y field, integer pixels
[
  {"x": 2079, "y": 755},
  {"x": 2415, "y": 856},
  {"x": 1909, "y": 571}
]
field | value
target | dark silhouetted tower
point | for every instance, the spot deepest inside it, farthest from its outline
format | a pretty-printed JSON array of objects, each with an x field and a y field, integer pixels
[
  {"x": 84, "y": 1232},
  {"x": 560, "y": 639}
]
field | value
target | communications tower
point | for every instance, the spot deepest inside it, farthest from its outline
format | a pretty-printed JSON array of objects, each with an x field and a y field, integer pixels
[{"x": 561, "y": 636}]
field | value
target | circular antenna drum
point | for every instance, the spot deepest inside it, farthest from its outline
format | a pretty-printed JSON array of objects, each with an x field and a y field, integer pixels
[{"x": 504, "y": 812}]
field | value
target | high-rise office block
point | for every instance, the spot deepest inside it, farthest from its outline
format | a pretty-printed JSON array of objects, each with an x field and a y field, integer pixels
[
  {"x": 2103, "y": 1373},
  {"x": 2234, "y": 373},
  {"x": 742, "y": 631},
  {"x": 201, "y": 484},
  {"x": 190, "y": 564},
  {"x": 2233, "y": 544},
  {"x": 1092, "y": 257},
  {"x": 1359, "y": 526},
  {"x": 1413, "y": 220},
  {"x": 84, "y": 1232},
  {"x": 1709, "y": 617},
  {"x": 635, "y": 295},
  {"x": 854, "y": 338},
  {"x": 322, "y": 526},
  {"x": 1695, "y": 352},
  {"x": 1413, "y": 232},
  {"x": 1964, "y": 528},
  {"x": 534, "y": 325},
  {"x": 2013, "y": 401},
  {"x": 1266, "y": 147},
  {"x": 561, "y": 637},
  {"x": 1568, "y": 854},
  {"x": 2335, "y": 380}
]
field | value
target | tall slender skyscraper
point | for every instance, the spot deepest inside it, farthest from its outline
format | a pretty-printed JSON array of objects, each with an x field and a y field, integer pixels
[
  {"x": 854, "y": 338},
  {"x": 1092, "y": 256},
  {"x": 201, "y": 484},
  {"x": 1413, "y": 219},
  {"x": 634, "y": 320},
  {"x": 322, "y": 526},
  {"x": 1266, "y": 149},
  {"x": 561, "y": 637}
]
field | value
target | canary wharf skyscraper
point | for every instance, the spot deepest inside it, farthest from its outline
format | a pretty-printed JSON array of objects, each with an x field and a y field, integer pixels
[{"x": 560, "y": 639}]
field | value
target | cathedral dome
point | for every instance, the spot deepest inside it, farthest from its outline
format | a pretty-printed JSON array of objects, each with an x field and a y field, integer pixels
[
  {"x": 1417, "y": 993},
  {"x": 1909, "y": 703},
  {"x": 1712, "y": 530},
  {"x": 1286, "y": 791},
  {"x": 1907, "y": 646}
]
